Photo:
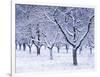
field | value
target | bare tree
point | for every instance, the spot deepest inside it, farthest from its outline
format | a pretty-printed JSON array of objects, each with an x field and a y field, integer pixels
[
  {"x": 50, "y": 39},
  {"x": 74, "y": 44},
  {"x": 45, "y": 25}
]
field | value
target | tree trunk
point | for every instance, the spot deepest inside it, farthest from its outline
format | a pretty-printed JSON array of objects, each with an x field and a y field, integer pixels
[
  {"x": 19, "y": 46},
  {"x": 74, "y": 56},
  {"x": 90, "y": 50},
  {"x": 38, "y": 50},
  {"x": 29, "y": 49},
  {"x": 66, "y": 49},
  {"x": 51, "y": 56},
  {"x": 58, "y": 49},
  {"x": 38, "y": 37},
  {"x": 24, "y": 46}
]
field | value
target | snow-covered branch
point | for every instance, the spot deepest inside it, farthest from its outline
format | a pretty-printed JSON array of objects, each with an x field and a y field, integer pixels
[
  {"x": 62, "y": 29},
  {"x": 89, "y": 24}
]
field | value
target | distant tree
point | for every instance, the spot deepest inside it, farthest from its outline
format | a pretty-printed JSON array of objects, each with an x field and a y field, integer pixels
[{"x": 50, "y": 37}]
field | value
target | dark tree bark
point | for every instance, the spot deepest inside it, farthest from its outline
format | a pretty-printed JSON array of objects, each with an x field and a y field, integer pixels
[
  {"x": 66, "y": 48},
  {"x": 38, "y": 43},
  {"x": 19, "y": 46},
  {"x": 24, "y": 46},
  {"x": 29, "y": 46},
  {"x": 51, "y": 54},
  {"x": 38, "y": 50},
  {"x": 74, "y": 56},
  {"x": 90, "y": 50},
  {"x": 74, "y": 48},
  {"x": 29, "y": 49}
]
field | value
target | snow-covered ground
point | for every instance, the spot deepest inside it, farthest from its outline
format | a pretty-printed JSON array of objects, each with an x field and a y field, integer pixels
[{"x": 26, "y": 62}]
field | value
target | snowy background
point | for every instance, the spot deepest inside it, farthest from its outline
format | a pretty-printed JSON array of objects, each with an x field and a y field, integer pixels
[
  {"x": 62, "y": 61},
  {"x": 54, "y": 38}
]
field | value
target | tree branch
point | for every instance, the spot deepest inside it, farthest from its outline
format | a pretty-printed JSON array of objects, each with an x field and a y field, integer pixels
[
  {"x": 62, "y": 29},
  {"x": 90, "y": 22},
  {"x": 63, "y": 33}
]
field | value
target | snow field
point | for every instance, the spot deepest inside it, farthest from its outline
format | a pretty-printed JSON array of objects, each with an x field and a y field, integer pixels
[{"x": 26, "y": 62}]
